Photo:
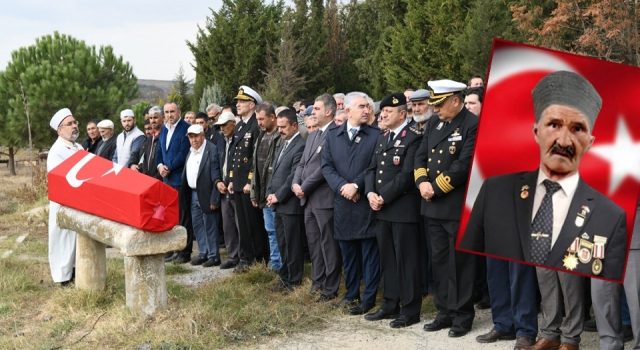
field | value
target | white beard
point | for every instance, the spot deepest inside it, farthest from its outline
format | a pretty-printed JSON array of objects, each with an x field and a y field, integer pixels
[{"x": 423, "y": 118}]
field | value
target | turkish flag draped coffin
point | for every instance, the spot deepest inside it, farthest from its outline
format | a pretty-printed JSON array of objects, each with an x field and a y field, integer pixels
[
  {"x": 505, "y": 142},
  {"x": 98, "y": 186}
]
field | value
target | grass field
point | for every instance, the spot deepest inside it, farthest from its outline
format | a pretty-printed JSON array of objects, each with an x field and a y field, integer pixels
[{"x": 35, "y": 313}]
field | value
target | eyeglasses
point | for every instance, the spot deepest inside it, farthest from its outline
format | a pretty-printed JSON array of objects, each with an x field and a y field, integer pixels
[{"x": 74, "y": 122}]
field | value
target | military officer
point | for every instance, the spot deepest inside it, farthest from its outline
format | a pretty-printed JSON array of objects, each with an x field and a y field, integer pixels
[
  {"x": 442, "y": 165},
  {"x": 395, "y": 200},
  {"x": 254, "y": 240}
]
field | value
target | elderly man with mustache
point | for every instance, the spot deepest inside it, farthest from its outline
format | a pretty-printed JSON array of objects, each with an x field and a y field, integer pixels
[{"x": 551, "y": 218}]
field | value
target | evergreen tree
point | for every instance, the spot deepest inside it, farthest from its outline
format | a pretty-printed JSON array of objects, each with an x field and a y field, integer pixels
[
  {"x": 211, "y": 94},
  {"x": 231, "y": 48},
  {"x": 57, "y": 72},
  {"x": 183, "y": 89}
]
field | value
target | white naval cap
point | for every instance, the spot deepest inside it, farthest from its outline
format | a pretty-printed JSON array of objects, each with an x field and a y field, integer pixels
[
  {"x": 225, "y": 117},
  {"x": 246, "y": 93},
  {"x": 441, "y": 89},
  {"x": 59, "y": 117},
  {"x": 105, "y": 124},
  {"x": 127, "y": 113},
  {"x": 195, "y": 129}
]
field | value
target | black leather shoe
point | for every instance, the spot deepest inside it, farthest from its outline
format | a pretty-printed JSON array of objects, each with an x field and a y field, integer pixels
[
  {"x": 360, "y": 309},
  {"x": 381, "y": 315},
  {"x": 171, "y": 257},
  {"x": 347, "y": 303},
  {"x": 494, "y": 336},
  {"x": 484, "y": 304},
  {"x": 590, "y": 326},
  {"x": 241, "y": 268},
  {"x": 627, "y": 333},
  {"x": 436, "y": 326},
  {"x": 324, "y": 298},
  {"x": 404, "y": 321},
  {"x": 211, "y": 262},
  {"x": 458, "y": 331},
  {"x": 65, "y": 284},
  {"x": 228, "y": 265},
  {"x": 199, "y": 260},
  {"x": 183, "y": 258}
]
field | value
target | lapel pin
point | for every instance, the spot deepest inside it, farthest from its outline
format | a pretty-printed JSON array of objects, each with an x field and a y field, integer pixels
[{"x": 524, "y": 192}]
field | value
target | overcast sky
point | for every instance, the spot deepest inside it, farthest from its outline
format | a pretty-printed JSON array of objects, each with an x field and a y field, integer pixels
[{"x": 150, "y": 35}]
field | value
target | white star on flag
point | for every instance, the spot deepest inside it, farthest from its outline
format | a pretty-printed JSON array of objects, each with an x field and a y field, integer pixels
[{"x": 623, "y": 154}]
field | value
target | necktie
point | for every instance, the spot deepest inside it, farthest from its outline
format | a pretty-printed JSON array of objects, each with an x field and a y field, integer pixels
[
  {"x": 226, "y": 154},
  {"x": 352, "y": 133},
  {"x": 543, "y": 225},
  {"x": 286, "y": 143},
  {"x": 391, "y": 136}
]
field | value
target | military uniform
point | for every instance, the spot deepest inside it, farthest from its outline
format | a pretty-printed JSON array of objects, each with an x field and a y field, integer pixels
[
  {"x": 254, "y": 241},
  {"x": 444, "y": 159},
  {"x": 390, "y": 175}
]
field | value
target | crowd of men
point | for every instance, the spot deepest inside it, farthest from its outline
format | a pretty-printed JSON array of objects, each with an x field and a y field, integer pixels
[{"x": 372, "y": 191}]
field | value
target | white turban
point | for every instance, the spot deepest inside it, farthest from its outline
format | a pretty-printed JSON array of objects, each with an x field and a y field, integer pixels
[
  {"x": 59, "y": 117},
  {"x": 106, "y": 124}
]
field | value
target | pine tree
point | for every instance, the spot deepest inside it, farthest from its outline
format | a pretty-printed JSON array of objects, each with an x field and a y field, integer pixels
[
  {"x": 183, "y": 89},
  {"x": 60, "y": 71},
  {"x": 211, "y": 94}
]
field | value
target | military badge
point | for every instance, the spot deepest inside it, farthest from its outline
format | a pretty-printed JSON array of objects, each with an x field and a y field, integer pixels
[
  {"x": 455, "y": 132},
  {"x": 570, "y": 261},
  {"x": 585, "y": 251},
  {"x": 395, "y": 100},
  {"x": 584, "y": 210},
  {"x": 440, "y": 126},
  {"x": 452, "y": 149},
  {"x": 598, "y": 254},
  {"x": 396, "y": 160},
  {"x": 404, "y": 133},
  {"x": 397, "y": 143}
]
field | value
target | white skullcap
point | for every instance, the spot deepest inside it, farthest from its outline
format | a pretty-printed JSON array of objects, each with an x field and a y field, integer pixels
[
  {"x": 59, "y": 117},
  {"x": 127, "y": 113},
  {"x": 106, "y": 124}
]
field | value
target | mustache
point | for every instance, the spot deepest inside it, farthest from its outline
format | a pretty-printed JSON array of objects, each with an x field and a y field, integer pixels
[{"x": 567, "y": 151}]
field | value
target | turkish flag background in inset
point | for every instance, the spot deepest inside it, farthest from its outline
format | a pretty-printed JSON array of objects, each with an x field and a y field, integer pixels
[
  {"x": 100, "y": 187},
  {"x": 505, "y": 142}
]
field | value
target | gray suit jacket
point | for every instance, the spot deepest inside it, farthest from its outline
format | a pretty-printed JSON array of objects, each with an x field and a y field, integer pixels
[
  {"x": 309, "y": 176},
  {"x": 205, "y": 186},
  {"x": 282, "y": 177}
]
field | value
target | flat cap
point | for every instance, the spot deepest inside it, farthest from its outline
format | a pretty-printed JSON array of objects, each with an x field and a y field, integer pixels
[
  {"x": 441, "y": 89},
  {"x": 420, "y": 95},
  {"x": 567, "y": 89},
  {"x": 393, "y": 100}
]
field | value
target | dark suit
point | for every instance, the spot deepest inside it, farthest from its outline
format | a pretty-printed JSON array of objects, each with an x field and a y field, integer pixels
[
  {"x": 444, "y": 159},
  {"x": 174, "y": 158},
  {"x": 227, "y": 202},
  {"x": 326, "y": 263},
  {"x": 106, "y": 149},
  {"x": 254, "y": 239},
  {"x": 500, "y": 224},
  {"x": 345, "y": 161},
  {"x": 390, "y": 175},
  {"x": 288, "y": 219},
  {"x": 199, "y": 201}
]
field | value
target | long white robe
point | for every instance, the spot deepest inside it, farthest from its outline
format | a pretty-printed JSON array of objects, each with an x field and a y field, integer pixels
[{"x": 62, "y": 243}]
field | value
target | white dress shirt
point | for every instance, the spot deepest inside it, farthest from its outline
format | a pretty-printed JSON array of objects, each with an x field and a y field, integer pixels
[
  {"x": 561, "y": 200},
  {"x": 193, "y": 166},
  {"x": 349, "y": 127},
  {"x": 170, "y": 129},
  {"x": 398, "y": 130}
]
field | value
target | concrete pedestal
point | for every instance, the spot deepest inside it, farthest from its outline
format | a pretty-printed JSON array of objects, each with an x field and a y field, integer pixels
[
  {"x": 91, "y": 264},
  {"x": 146, "y": 285}
]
